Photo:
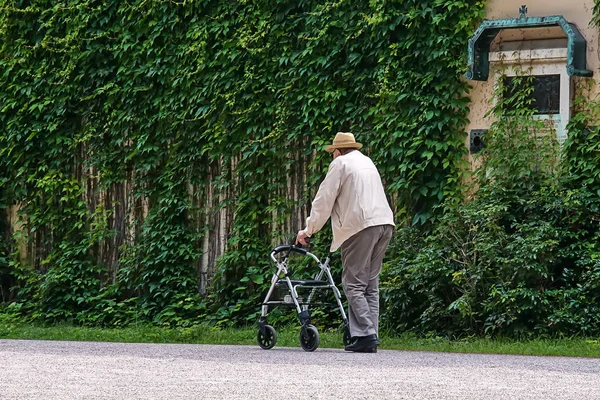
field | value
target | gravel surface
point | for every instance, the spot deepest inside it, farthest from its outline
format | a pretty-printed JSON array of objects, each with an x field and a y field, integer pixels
[{"x": 80, "y": 370}]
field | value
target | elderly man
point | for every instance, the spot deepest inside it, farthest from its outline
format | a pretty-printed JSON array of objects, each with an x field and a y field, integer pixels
[{"x": 352, "y": 195}]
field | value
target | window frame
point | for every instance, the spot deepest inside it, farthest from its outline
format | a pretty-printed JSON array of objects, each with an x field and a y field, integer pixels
[{"x": 540, "y": 62}]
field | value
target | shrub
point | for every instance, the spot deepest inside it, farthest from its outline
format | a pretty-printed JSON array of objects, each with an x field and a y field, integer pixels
[{"x": 520, "y": 255}]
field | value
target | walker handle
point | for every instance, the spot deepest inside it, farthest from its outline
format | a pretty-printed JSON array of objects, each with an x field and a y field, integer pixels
[{"x": 293, "y": 248}]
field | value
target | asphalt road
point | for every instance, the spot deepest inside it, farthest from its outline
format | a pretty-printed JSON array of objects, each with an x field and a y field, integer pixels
[{"x": 80, "y": 370}]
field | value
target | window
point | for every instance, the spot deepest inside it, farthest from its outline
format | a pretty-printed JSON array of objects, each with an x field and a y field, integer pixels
[
  {"x": 546, "y": 93},
  {"x": 552, "y": 85}
]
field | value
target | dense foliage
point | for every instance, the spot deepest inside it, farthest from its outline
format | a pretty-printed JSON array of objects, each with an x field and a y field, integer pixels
[
  {"x": 521, "y": 254},
  {"x": 132, "y": 131}
]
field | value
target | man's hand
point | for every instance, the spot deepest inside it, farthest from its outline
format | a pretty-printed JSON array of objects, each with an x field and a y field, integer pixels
[{"x": 301, "y": 238}]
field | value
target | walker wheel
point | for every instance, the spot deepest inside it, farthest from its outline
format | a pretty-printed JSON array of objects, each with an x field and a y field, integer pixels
[
  {"x": 309, "y": 338},
  {"x": 347, "y": 337},
  {"x": 268, "y": 338}
]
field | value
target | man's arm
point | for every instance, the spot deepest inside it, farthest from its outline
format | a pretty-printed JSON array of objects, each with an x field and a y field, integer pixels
[{"x": 323, "y": 202}]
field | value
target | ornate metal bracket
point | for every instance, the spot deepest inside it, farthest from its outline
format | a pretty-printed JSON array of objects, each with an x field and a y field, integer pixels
[{"x": 479, "y": 43}]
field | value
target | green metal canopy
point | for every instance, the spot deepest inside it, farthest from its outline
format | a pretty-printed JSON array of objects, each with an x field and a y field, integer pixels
[{"x": 479, "y": 43}]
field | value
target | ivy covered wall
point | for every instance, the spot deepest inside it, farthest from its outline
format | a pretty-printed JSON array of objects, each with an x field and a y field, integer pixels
[{"x": 155, "y": 150}]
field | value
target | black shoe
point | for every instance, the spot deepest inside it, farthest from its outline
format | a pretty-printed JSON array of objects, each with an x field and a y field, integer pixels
[
  {"x": 364, "y": 344},
  {"x": 367, "y": 350},
  {"x": 355, "y": 338}
]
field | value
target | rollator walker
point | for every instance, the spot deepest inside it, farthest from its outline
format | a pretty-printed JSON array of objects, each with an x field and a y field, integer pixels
[{"x": 309, "y": 335}]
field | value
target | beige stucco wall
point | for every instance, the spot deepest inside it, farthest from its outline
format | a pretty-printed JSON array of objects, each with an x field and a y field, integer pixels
[{"x": 578, "y": 12}]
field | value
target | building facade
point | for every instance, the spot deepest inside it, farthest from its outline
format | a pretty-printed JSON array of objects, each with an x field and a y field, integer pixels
[{"x": 554, "y": 40}]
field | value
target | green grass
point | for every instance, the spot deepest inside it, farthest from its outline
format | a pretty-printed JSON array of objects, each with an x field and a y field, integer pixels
[
  {"x": 288, "y": 337},
  {"x": 572, "y": 347}
]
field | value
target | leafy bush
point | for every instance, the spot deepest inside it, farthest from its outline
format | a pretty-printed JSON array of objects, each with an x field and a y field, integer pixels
[{"x": 520, "y": 254}]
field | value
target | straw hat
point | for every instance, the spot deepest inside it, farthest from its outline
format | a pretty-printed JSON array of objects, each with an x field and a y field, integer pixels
[{"x": 343, "y": 140}]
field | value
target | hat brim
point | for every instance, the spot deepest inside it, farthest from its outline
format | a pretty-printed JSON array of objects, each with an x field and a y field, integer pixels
[{"x": 332, "y": 147}]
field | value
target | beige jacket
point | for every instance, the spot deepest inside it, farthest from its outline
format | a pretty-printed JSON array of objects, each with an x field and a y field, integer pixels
[{"x": 352, "y": 195}]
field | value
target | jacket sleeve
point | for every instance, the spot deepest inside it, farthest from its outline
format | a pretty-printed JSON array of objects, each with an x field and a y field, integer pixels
[{"x": 322, "y": 205}]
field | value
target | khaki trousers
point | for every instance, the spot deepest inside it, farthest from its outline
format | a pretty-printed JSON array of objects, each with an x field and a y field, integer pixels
[{"x": 362, "y": 256}]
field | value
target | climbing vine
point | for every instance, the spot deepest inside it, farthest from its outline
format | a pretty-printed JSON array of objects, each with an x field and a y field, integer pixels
[{"x": 154, "y": 151}]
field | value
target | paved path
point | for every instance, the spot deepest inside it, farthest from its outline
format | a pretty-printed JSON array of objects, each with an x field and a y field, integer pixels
[{"x": 79, "y": 370}]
